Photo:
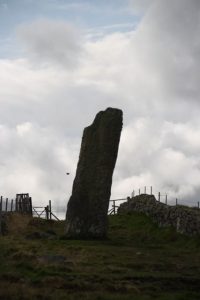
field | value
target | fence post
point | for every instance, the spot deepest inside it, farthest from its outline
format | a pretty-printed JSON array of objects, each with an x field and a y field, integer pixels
[
  {"x": 1, "y": 201},
  {"x": 26, "y": 205},
  {"x": 11, "y": 207},
  {"x": 159, "y": 196},
  {"x": 176, "y": 201},
  {"x": 50, "y": 209},
  {"x": 145, "y": 189},
  {"x": 0, "y": 214},
  {"x": 139, "y": 191},
  {"x": 47, "y": 212},
  {"x": 6, "y": 204},
  {"x": 151, "y": 190},
  {"x": 0, "y": 223},
  {"x": 133, "y": 193},
  {"x": 166, "y": 199},
  {"x": 30, "y": 207},
  {"x": 114, "y": 208},
  {"x": 198, "y": 204},
  {"x": 20, "y": 205}
]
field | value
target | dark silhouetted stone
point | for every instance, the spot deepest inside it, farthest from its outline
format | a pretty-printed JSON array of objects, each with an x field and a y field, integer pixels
[{"x": 88, "y": 206}]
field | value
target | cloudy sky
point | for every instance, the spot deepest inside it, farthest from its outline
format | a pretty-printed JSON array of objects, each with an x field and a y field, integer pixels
[{"x": 61, "y": 61}]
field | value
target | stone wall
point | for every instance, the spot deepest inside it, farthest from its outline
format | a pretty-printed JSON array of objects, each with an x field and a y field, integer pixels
[{"x": 184, "y": 219}]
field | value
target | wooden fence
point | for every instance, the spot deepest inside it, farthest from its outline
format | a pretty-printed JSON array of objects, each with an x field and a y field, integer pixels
[
  {"x": 22, "y": 204},
  {"x": 44, "y": 212},
  {"x": 7, "y": 204},
  {"x": 114, "y": 206}
]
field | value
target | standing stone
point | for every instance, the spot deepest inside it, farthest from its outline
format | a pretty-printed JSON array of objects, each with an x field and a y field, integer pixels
[{"x": 88, "y": 205}]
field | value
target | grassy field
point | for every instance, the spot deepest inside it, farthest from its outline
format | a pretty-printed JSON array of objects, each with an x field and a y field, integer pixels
[{"x": 138, "y": 261}]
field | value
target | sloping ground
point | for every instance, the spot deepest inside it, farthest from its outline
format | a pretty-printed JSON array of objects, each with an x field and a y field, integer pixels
[
  {"x": 138, "y": 261},
  {"x": 15, "y": 223}
]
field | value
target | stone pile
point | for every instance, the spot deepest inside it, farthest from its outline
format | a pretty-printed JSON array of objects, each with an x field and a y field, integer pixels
[{"x": 184, "y": 219}]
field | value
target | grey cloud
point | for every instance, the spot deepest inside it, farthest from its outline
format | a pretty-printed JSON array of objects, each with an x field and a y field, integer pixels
[
  {"x": 51, "y": 42},
  {"x": 170, "y": 46}
]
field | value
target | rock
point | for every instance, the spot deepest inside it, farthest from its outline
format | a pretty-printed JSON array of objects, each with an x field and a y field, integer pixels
[
  {"x": 49, "y": 235},
  {"x": 88, "y": 205},
  {"x": 52, "y": 259}
]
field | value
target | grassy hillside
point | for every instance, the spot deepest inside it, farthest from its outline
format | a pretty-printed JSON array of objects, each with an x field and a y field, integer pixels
[{"x": 138, "y": 261}]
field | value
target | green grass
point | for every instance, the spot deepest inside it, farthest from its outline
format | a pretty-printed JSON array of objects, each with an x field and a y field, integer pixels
[{"x": 138, "y": 261}]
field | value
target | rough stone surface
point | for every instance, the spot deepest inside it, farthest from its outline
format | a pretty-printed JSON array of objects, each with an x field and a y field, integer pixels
[
  {"x": 87, "y": 208},
  {"x": 184, "y": 219}
]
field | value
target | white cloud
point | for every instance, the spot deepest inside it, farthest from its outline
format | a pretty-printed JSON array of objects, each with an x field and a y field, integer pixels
[
  {"x": 24, "y": 129},
  {"x": 35, "y": 160},
  {"x": 152, "y": 73}
]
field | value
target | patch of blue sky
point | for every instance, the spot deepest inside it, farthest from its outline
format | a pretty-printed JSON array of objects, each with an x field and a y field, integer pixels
[{"x": 97, "y": 16}]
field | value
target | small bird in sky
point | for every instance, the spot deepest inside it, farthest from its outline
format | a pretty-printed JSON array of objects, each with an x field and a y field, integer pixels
[{"x": 67, "y": 173}]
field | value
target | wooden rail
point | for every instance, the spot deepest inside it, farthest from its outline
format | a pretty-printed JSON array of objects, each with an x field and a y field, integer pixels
[
  {"x": 113, "y": 210},
  {"x": 45, "y": 212}
]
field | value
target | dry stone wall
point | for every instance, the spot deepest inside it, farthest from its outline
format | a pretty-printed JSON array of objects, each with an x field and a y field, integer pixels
[{"x": 184, "y": 219}]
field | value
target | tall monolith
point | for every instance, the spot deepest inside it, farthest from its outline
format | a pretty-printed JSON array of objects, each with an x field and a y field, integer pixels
[{"x": 88, "y": 205}]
